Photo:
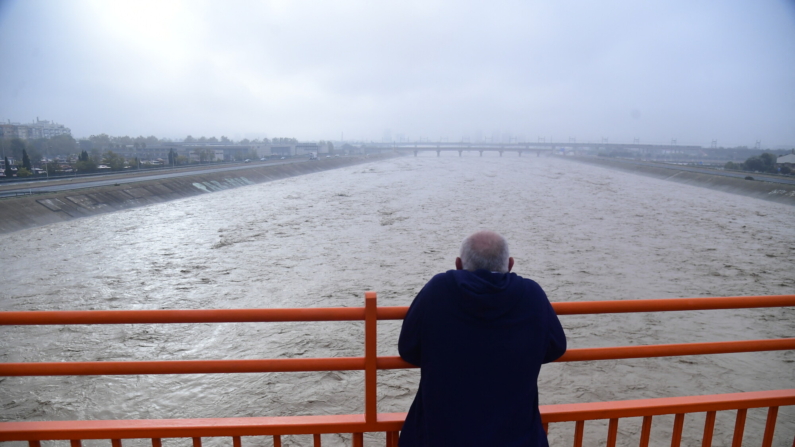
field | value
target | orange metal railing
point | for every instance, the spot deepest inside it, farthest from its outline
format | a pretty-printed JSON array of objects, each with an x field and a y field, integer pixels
[{"x": 371, "y": 420}]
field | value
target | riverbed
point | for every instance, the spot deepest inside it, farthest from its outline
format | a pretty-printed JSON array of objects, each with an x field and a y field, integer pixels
[{"x": 583, "y": 232}]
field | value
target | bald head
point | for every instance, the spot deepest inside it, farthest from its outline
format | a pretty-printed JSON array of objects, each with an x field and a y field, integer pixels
[{"x": 485, "y": 250}]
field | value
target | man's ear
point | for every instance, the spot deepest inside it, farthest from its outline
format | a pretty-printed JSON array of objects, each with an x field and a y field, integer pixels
[
  {"x": 510, "y": 264},
  {"x": 458, "y": 264}
]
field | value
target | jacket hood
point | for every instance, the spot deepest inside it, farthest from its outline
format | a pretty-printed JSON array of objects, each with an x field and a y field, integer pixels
[{"x": 486, "y": 295}]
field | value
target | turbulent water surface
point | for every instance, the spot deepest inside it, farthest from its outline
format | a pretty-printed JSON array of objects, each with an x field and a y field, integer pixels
[{"x": 583, "y": 232}]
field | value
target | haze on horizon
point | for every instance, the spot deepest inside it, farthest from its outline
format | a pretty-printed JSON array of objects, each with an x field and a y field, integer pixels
[{"x": 657, "y": 70}]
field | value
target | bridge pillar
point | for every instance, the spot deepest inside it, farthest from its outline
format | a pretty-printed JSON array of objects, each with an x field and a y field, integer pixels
[
  {"x": 460, "y": 152},
  {"x": 438, "y": 153},
  {"x": 415, "y": 153},
  {"x": 481, "y": 153},
  {"x": 500, "y": 153}
]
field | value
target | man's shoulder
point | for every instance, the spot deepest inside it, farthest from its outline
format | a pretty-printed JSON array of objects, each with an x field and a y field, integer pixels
[
  {"x": 443, "y": 279},
  {"x": 527, "y": 282}
]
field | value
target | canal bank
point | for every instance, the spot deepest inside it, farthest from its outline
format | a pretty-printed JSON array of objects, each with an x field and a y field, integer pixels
[
  {"x": 758, "y": 187},
  {"x": 17, "y": 213}
]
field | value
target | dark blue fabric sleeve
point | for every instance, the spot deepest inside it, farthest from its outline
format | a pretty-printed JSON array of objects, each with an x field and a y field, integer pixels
[
  {"x": 409, "y": 346},
  {"x": 556, "y": 338}
]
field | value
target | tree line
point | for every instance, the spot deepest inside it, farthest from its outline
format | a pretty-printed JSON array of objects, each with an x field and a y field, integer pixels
[
  {"x": 104, "y": 149},
  {"x": 765, "y": 162}
]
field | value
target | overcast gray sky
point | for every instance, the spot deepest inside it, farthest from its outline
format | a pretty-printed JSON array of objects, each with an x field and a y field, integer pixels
[{"x": 688, "y": 70}]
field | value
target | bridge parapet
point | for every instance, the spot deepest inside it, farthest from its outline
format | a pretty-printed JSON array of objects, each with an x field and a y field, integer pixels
[{"x": 371, "y": 420}]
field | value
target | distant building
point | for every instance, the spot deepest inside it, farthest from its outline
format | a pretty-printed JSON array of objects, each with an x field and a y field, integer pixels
[
  {"x": 306, "y": 148},
  {"x": 786, "y": 160},
  {"x": 283, "y": 150},
  {"x": 33, "y": 131}
]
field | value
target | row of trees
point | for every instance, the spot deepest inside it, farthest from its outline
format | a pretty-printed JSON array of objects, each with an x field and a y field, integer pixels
[
  {"x": 105, "y": 142},
  {"x": 765, "y": 162},
  {"x": 39, "y": 148}
]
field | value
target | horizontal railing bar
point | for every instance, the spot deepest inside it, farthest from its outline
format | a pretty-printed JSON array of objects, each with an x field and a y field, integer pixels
[
  {"x": 180, "y": 367},
  {"x": 354, "y": 423},
  {"x": 672, "y": 304},
  {"x": 666, "y": 405},
  {"x": 633, "y": 352},
  {"x": 630, "y": 306},
  {"x": 183, "y": 428},
  {"x": 357, "y": 313},
  {"x": 181, "y": 316},
  {"x": 357, "y": 363},
  {"x": 679, "y": 349}
]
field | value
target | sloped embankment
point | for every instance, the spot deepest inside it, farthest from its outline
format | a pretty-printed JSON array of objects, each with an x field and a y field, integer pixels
[
  {"x": 776, "y": 192},
  {"x": 30, "y": 211}
]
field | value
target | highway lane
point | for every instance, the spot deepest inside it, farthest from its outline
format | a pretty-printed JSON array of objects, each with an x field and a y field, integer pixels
[{"x": 28, "y": 188}]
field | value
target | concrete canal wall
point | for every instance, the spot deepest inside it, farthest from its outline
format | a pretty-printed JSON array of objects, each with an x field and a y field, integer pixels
[
  {"x": 776, "y": 192},
  {"x": 22, "y": 212}
]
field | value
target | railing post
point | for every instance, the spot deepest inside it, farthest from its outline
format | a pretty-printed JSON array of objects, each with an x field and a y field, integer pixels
[
  {"x": 709, "y": 427},
  {"x": 770, "y": 427},
  {"x": 679, "y": 423},
  {"x": 370, "y": 354},
  {"x": 739, "y": 428},
  {"x": 645, "y": 431},
  {"x": 358, "y": 440},
  {"x": 612, "y": 432},
  {"x": 579, "y": 429},
  {"x": 392, "y": 439}
]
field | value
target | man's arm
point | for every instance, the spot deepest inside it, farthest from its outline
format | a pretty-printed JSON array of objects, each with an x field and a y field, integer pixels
[
  {"x": 556, "y": 338},
  {"x": 409, "y": 342}
]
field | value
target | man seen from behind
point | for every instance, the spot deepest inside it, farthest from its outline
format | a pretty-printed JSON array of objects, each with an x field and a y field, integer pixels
[{"x": 479, "y": 335}]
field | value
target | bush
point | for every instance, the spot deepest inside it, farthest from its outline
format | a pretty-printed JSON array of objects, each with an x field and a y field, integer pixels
[
  {"x": 786, "y": 170},
  {"x": 23, "y": 172},
  {"x": 86, "y": 166},
  {"x": 761, "y": 163}
]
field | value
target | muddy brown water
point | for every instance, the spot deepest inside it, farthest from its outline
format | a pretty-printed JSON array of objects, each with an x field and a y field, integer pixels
[{"x": 583, "y": 232}]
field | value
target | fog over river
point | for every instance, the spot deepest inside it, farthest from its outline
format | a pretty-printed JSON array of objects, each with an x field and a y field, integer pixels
[{"x": 583, "y": 232}]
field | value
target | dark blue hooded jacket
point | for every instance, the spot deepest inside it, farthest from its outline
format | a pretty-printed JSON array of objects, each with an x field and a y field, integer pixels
[{"x": 480, "y": 339}]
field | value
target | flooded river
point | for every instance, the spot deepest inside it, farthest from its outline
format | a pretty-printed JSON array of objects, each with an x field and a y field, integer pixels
[{"x": 583, "y": 232}]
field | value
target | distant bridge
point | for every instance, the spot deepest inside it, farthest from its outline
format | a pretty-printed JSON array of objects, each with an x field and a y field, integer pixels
[{"x": 520, "y": 148}]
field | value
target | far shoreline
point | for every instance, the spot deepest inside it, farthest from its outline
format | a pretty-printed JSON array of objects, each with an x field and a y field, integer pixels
[{"x": 757, "y": 188}]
